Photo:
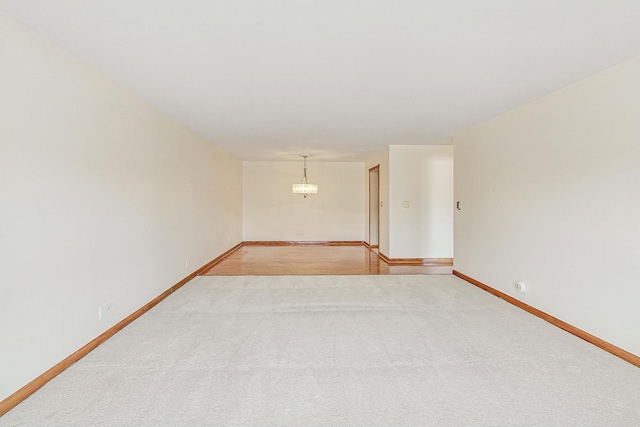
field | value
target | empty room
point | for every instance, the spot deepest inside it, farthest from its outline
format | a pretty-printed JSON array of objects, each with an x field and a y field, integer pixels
[{"x": 319, "y": 213}]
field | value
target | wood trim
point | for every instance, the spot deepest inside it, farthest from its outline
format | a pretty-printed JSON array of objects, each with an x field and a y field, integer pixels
[
  {"x": 10, "y": 402},
  {"x": 305, "y": 243},
  {"x": 208, "y": 266},
  {"x": 377, "y": 169},
  {"x": 366, "y": 245},
  {"x": 615, "y": 350},
  {"x": 416, "y": 261}
]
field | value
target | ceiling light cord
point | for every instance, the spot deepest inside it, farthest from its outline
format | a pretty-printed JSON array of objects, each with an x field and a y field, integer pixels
[{"x": 304, "y": 176}]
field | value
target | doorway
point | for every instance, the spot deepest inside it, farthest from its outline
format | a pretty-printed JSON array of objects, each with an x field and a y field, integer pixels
[{"x": 374, "y": 207}]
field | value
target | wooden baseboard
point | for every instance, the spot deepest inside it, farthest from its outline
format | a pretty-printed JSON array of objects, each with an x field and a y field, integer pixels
[
  {"x": 305, "y": 243},
  {"x": 416, "y": 261},
  {"x": 616, "y": 351},
  {"x": 384, "y": 257},
  {"x": 10, "y": 402},
  {"x": 208, "y": 266}
]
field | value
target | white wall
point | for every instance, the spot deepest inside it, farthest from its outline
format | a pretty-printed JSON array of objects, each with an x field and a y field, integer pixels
[
  {"x": 422, "y": 176},
  {"x": 551, "y": 195},
  {"x": 102, "y": 199},
  {"x": 271, "y": 212}
]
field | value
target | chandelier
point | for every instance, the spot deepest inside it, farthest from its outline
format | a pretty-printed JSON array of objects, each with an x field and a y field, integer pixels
[{"x": 305, "y": 188}]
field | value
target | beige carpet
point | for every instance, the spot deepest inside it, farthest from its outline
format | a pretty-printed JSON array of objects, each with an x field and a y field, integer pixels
[{"x": 338, "y": 350}]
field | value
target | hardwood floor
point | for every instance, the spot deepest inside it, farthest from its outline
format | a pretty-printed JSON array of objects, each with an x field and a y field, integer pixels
[{"x": 312, "y": 260}]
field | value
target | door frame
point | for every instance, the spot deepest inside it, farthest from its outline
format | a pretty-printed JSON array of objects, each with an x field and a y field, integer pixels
[{"x": 376, "y": 169}]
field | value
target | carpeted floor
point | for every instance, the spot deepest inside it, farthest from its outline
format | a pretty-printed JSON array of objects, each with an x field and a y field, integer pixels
[{"x": 338, "y": 350}]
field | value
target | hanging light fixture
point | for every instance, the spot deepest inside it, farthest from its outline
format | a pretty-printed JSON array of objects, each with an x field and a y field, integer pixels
[{"x": 305, "y": 188}]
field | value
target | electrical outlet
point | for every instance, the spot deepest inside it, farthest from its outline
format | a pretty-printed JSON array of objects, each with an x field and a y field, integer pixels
[
  {"x": 105, "y": 310},
  {"x": 186, "y": 262},
  {"x": 521, "y": 286}
]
